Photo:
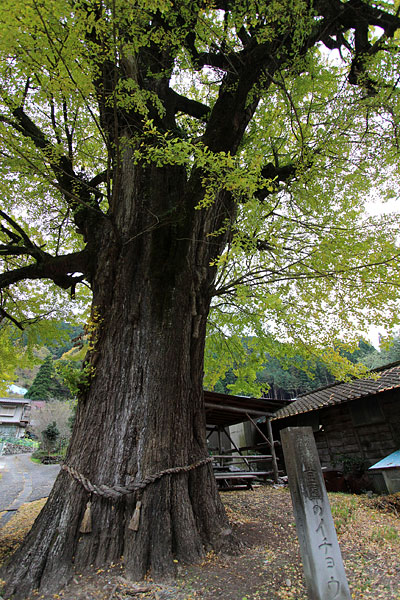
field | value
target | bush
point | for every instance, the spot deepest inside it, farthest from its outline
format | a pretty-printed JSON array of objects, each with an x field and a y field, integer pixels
[
  {"x": 47, "y": 458},
  {"x": 50, "y": 436},
  {"x": 55, "y": 411}
]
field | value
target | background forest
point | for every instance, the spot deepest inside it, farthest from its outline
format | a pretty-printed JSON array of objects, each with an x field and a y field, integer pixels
[{"x": 54, "y": 372}]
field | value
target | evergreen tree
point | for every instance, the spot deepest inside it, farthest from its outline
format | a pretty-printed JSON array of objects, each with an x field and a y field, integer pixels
[
  {"x": 46, "y": 384},
  {"x": 361, "y": 354}
]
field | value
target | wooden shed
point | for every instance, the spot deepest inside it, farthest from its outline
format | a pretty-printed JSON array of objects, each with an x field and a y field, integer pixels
[
  {"x": 233, "y": 461},
  {"x": 355, "y": 424}
]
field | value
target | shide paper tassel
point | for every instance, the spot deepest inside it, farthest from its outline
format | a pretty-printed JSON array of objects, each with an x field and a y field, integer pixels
[
  {"x": 134, "y": 522},
  {"x": 86, "y": 525}
]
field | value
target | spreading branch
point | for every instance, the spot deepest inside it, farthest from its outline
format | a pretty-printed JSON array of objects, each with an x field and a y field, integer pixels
[
  {"x": 59, "y": 269},
  {"x": 233, "y": 111},
  {"x": 20, "y": 244},
  {"x": 275, "y": 175},
  {"x": 77, "y": 192},
  {"x": 187, "y": 106}
]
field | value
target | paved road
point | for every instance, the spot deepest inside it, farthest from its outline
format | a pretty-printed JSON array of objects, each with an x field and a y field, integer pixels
[{"x": 23, "y": 481}]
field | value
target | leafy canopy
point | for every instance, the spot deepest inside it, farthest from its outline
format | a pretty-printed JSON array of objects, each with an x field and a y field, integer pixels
[{"x": 290, "y": 107}]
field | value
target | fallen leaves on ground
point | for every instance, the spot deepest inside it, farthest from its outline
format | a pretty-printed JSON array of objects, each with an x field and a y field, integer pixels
[
  {"x": 12, "y": 534},
  {"x": 389, "y": 503},
  {"x": 269, "y": 566}
]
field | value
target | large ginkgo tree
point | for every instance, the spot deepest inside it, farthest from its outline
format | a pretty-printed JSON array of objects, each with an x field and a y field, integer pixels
[{"x": 177, "y": 157}]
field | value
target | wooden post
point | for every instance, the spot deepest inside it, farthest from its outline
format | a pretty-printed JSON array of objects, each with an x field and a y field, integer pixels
[
  {"x": 220, "y": 443},
  {"x": 322, "y": 561},
  {"x": 270, "y": 441},
  {"x": 274, "y": 461}
]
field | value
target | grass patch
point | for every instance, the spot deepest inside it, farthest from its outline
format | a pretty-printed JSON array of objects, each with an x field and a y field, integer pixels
[
  {"x": 343, "y": 507},
  {"x": 385, "y": 533}
]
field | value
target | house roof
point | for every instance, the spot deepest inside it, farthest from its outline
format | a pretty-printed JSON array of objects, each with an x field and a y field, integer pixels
[
  {"x": 14, "y": 401},
  {"x": 224, "y": 409},
  {"x": 380, "y": 380},
  {"x": 17, "y": 419}
]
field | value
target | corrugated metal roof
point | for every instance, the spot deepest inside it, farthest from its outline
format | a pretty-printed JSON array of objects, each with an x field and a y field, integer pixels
[
  {"x": 380, "y": 380},
  {"x": 390, "y": 462}
]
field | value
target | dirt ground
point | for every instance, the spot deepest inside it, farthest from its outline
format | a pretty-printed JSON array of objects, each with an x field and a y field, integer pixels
[{"x": 268, "y": 566}]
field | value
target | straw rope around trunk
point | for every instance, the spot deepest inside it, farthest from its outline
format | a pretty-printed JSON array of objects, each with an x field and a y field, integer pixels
[{"x": 117, "y": 491}]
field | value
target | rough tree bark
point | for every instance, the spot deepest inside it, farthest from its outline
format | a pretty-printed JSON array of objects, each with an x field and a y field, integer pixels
[{"x": 143, "y": 411}]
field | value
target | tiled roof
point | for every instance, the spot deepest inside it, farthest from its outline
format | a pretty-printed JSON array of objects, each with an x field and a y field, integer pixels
[{"x": 381, "y": 380}]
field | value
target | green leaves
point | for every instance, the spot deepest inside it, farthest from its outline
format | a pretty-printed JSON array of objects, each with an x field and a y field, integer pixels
[
  {"x": 251, "y": 102},
  {"x": 321, "y": 277}
]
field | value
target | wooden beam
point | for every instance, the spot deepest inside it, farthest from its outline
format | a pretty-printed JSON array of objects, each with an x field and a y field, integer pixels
[
  {"x": 251, "y": 457},
  {"x": 211, "y": 431},
  {"x": 259, "y": 431},
  {"x": 236, "y": 409}
]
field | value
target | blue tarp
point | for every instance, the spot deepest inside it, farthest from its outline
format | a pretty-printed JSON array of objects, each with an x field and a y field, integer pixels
[{"x": 390, "y": 462}]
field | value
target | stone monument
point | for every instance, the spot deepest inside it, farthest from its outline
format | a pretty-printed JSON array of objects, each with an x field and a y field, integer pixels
[{"x": 322, "y": 560}]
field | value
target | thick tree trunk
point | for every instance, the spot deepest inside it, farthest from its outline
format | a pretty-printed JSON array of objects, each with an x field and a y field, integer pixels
[{"x": 142, "y": 411}]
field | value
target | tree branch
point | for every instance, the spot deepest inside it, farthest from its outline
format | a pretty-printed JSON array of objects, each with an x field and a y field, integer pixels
[
  {"x": 187, "y": 106},
  {"x": 5, "y": 315},
  {"x": 58, "y": 269},
  {"x": 233, "y": 110},
  {"x": 244, "y": 36},
  {"x": 359, "y": 16},
  {"x": 98, "y": 179},
  {"x": 10, "y": 250},
  {"x": 82, "y": 197},
  {"x": 200, "y": 60},
  {"x": 275, "y": 174},
  {"x": 17, "y": 228},
  {"x": 62, "y": 167},
  {"x": 279, "y": 173}
]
